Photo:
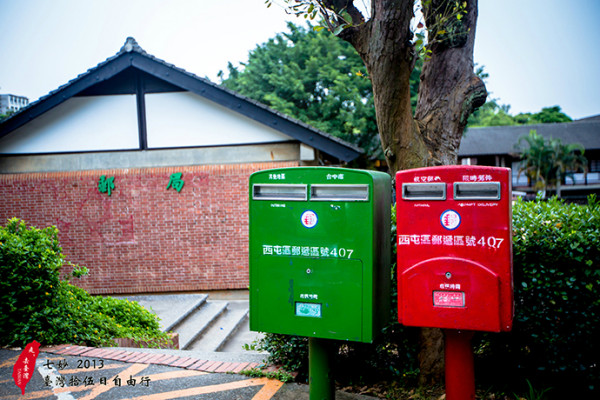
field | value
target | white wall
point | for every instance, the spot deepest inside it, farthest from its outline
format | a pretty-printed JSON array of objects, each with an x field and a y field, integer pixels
[
  {"x": 79, "y": 124},
  {"x": 185, "y": 119}
]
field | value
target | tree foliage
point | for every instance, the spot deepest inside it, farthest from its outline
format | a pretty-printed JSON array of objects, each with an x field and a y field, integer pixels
[
  {"x": 312, "y": 76},
  {"x": 548, "y": 162},
  {"x": 36, "y": 305},
  {"x": 494, "y": 114},
  {"x": 547, "y": 115}
]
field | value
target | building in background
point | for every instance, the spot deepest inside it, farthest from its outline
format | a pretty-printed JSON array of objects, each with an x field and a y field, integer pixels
[
  {"x": 144, "y": 169},
  {"x": 12, "y": 103},
  {"x": 498, "y": 146}
]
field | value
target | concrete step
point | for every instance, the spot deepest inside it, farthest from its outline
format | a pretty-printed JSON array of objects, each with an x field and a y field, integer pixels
[
  {"x": 172, "y": 309},
  {"x": 217, "y": 335},
  {"x": 218, "y": 323},
  {"x": 242, "y": 340},
  {"x": 198, "y": 322}
]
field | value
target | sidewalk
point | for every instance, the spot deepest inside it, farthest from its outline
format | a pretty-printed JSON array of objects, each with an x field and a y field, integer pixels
[
  {"x": 70, "y": 372},
  {"x": 197, "y": 361}
]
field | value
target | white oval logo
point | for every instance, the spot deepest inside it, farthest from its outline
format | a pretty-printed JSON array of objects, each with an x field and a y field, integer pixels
[
  {"x": 309, "y": 219},
  {"x": 450, "y": 219}
]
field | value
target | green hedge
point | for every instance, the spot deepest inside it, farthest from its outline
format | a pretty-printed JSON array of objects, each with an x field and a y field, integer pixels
[
  {"x": 556, "y": 333},
  {"x": 30, "y": 262},
  {"x": 35, "y": 304}
]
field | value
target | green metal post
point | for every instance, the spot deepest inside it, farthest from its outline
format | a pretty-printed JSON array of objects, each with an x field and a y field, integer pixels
[{"x": 320, "y": 375}]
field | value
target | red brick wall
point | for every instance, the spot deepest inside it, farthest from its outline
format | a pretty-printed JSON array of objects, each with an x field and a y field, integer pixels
[{"x": 144, "y": 238}]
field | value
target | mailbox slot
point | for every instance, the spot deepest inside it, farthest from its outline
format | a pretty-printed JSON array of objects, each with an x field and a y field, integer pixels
[
  {"x": 287, "y": 192},
  {"x": 476, "y": 190},
  {"x": 339, "y": 192},
  {"x": 424, "y": 191}
]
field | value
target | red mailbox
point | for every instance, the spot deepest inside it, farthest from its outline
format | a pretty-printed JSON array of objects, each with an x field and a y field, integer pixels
[{"x": 455, "y": 248}]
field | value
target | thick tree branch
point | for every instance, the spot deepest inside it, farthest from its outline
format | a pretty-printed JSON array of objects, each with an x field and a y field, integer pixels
[
  {"x": 339, "y": 6},
  {"x": 384, "y": 44},
  {"x": 354, "y": 33}
]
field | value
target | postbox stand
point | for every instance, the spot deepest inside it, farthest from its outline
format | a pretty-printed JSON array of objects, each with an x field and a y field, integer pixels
[
  {"x": 320, "y": 374},
  {"x": 459, "y": 369}
]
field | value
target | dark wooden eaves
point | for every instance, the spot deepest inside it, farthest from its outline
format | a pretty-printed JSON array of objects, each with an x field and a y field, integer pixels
[{"x": 133, "y": 71}]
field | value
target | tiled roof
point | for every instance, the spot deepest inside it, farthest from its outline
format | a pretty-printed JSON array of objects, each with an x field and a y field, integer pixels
[
  {"x": 497, "y": 140},
  {"x": 131, "y": 54}
]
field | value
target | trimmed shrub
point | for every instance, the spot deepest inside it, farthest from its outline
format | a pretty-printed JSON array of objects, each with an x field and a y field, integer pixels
[
  {"x": 78, "y": 317},
  {"x": 30, "y": 262},
  {"x": 554, "y": 341},
  {"x": 291, "y": 352},
  {"x": 35, "y": 304}
]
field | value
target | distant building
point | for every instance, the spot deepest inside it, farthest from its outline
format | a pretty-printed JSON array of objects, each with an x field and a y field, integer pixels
[
  {"x": 10, "y": 102},
  {"x": 498, "y": 146}
]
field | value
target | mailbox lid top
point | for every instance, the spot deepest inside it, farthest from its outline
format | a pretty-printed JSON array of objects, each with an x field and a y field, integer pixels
[
  {"x": 452, "y": 171},
  {"x": 454, "y": 182},
  {"x": 318, "y": 184},
  {"x": 323, "y": 175}
]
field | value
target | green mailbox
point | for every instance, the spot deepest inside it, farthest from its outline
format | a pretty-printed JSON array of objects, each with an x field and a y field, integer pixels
[{"x": 320, "y": 252}]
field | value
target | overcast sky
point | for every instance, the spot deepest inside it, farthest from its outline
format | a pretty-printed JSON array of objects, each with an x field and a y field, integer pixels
[{"x": 538, "y": 53}]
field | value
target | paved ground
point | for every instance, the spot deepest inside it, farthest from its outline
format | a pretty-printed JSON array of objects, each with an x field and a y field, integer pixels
[{"x": 84, "y": 373}]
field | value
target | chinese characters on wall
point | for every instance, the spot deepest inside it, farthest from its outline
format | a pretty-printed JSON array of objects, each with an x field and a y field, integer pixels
[
  {"x": 176, "y": 182},
  {"x": 107, "y": 185}
]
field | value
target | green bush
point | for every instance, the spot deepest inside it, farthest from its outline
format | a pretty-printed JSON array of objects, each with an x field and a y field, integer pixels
[
  {"x": 554, "y": 341},
  {"x": 291, "y": 352},
  {"x": 35, "y": 304},
  {"x": 81, "y": 317},
  {"x": 30, "y": 262}
]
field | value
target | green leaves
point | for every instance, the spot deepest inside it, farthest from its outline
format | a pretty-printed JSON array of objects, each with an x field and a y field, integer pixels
[
  {"x": 548, "y": 162},
  {"x": 445, "y": 28},
  {"x": 35, "y": 304},
  {"x": 310, "y": 75},
  {"x": 556, "y": 251},
  {"x": 30, "y": 261},
  {"x": 493, "y": 114},
  {"x": 291, "y": 352}
]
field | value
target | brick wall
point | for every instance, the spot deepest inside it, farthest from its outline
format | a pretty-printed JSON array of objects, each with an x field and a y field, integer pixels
[{"x": 144, "y": 238}]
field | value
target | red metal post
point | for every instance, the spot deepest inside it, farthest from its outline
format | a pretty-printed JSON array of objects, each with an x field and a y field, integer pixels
[{"x": 460, "y": 373}]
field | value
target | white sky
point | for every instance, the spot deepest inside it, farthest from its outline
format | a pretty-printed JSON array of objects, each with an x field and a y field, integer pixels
[{"x": 538, "y": 52}]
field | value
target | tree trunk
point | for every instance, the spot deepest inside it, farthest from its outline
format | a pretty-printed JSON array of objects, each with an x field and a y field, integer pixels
[
  {"x": 384, "y": 43},
  {"x": 449, "y": 92},
  {"x": 431, "y": 348}
]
